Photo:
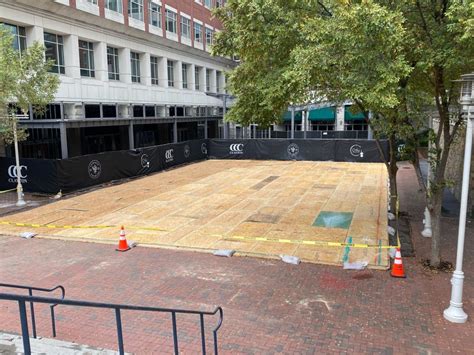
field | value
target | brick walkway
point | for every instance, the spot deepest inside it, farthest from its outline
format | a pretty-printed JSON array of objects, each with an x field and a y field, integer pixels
[{"x": 269, "y": 306}]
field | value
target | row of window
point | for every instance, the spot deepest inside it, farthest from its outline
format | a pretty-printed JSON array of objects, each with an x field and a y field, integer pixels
[
  {"x": 54, "y": 51},
  {"x": 136, "y": 11}
]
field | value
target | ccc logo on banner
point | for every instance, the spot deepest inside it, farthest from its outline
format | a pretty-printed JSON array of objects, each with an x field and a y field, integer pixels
[
  {"x": 237, "y": 148},
  {"x": 169, "y": 155},
  {"x": 15, "y": 173}
]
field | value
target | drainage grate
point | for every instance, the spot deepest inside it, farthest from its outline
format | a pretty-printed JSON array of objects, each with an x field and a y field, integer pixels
[{"x": 330, "y": 219}]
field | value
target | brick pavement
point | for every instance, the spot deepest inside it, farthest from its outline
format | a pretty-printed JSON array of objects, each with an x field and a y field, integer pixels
[{"x": 269, "y": 306}]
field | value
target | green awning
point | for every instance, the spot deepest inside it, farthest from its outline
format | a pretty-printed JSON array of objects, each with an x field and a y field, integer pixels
[
  {"x": 322, "y": 114},
  {"x": 349, "y": 115},
  {"x": 287, "y": 116}
]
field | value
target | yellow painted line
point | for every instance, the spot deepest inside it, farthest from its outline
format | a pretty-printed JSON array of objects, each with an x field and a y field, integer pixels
[
  {"x": 54, "y": 226},
  {"x": 309, "y": 242}
]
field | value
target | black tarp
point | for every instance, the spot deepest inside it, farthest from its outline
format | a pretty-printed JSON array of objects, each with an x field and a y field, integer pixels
[
  {"x": 297, "y": 149},
  {"x": 49, "y": 176},
  {"x": 38, "y": 175}
]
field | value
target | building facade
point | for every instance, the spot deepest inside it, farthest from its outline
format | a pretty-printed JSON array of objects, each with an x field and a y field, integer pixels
[{"x": 133, "y": 73}]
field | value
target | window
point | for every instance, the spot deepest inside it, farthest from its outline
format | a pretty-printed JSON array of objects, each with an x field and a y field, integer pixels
[
  {"x": 86, "y": 58},
  {"x": 171, "y": 21},
  {"x": 54, "y": 50},
  {"x": 219, "y": 3},
  {"x": 154, "y": 70},
  {"x": 208, "y": 3},
  {"x": 184, "y": 73},
  {"x": 92, "y": 1},
  {"x": 135, "y": 9},
  {"x": 208, "y": 80},
  {"x": 155, "y": 14},
  {"x": 209, "y": 35},
  {"x": 113, "y": 63},
  {"x": 114, "y": 5},
  {"x": 19, "y": 36},
  {"x": 185, "y": 27},
  {"x": 197, "y": 32},
  {"x": 170, "y": 73},
  {"x": 135, "y": 63},
  {"x": 196, "y": 78}
]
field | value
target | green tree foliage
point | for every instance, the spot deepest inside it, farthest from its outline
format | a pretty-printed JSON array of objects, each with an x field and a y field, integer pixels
[
  {"x": 24, "y": 79},
  {"x": 397, "y": 59}
]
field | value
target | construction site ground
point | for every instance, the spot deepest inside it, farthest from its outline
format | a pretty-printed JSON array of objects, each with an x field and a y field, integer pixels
[{"x": 258, "y": 208}]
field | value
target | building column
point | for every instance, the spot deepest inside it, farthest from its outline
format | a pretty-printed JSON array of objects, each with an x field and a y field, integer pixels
[
  {"x": 340, "y": 118},
  {"x": 370, "y": 133},
  {"x": 131, "y": 136},
  {"x": 175, "y": 130},
  {"x": 213, "y": 78},
  {"x": 163, "y": 72},
  {"x": 145, "y": 70},
  {"x": 178, "y": 74},
  {"x": 191, "y": 83},
  {"x": 203, "y": 79},
  {"x": 34, "y": 34},
  {"x": 304, "y": 123},
  {"x": 205, "y": 129},
  {"x": 71, "y": 56},
  {"x": 125, "y": 66},
  {"x": 63, "y": 135},
  {"x": 100, "y": 61}
]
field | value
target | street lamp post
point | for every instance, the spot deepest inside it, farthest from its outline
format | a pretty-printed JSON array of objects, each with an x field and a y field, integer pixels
[
  {"x": 428, "y": 232},
  {"x": 19, "y": 188},
  {"x": 454, "y": 313}
]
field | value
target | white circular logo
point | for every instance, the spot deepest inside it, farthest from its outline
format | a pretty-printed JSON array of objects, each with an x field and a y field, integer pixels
[
  {"x": 293, "y": 150},
  {"x": 237, "y": 148},
  {"x": 204, "y": 148},
  {"x": 13, "y": 171},
  {"x": 94, "y": 169},
  {"x": 169, "y": 155},
  {"x": 187, "y": 151},
  {"x": 356, "y": 150},
  {"x": 145, "y": 161}
]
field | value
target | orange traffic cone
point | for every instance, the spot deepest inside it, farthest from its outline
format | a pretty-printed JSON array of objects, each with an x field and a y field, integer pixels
[
  {"x": 123, "y": 245},
  {"x": 397, "y": 268}
]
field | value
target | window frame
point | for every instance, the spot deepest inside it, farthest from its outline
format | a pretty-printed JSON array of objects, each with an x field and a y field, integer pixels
[
  {"x": 118, "y": 5},
  {"x": 171, "y": 81},
  {"x": 187, "y": 26},
  {"x": 135, "y": 67},
  {"x": 173, "y": 20},
  {"x": 154, "y": 70},
  {"x": 87, "y": 68},
  {"x": 113, "y": 60},
  {"x": 184, "y": 74},
  {"x": 140, "y": 6},
  {"x": 157, "y": 12},
  {"x": 59, "y": 52},
  {"x": 197, "y": 78},
  {"x": 198, "y": 26}
]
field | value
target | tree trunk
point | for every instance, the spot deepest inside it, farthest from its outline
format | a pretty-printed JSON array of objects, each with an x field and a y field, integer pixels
[
  {"x": 392, "y": 174},
  {"x": 437, "y": 201}
]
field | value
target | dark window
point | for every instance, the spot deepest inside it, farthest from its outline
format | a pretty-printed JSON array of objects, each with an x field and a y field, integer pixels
[
  {"x": 54, "y": 50},
  {"x": 86, "y": 58},
  {"x": 51, "y": 112},
  {"x": 42, "y": 143},
  {"x": 180, "y": 111},
  {"x": 19, "y": 36},
  {"x": 113, "y": 63},
  {"x": 137, "y": 111},
  {"x": 109, "y": 111},
  {"x": 154, "y": 70},
  {"x": 92, "y": 111},
  {"x": 135, "y": 63},
  {"x": 149, "y": 111}
]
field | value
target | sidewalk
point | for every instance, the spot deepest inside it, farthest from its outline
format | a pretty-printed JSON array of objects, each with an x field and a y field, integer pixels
[{"x": 269, "y": 306}]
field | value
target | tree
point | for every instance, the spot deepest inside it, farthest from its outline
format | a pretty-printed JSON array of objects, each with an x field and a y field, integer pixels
[
  {"x": 24, "y": 79},
  {"x": 395, "y": 59}
]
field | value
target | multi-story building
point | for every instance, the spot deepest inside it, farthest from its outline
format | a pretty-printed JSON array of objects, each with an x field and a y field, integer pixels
[{"x": 133, "y": 73}]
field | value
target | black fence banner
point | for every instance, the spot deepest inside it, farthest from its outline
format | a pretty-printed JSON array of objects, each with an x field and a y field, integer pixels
[
  {"x": 49, "y": 176},
  {"x": 36, "y": 175}
]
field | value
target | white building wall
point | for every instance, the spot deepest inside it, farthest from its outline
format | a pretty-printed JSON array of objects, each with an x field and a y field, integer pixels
[{"x": 74, "y": 88}]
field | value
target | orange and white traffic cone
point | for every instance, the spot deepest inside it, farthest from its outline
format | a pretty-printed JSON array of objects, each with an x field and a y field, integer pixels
[
  {"x": 397, "y": 268},
  {"x": 123, "y": 245}
]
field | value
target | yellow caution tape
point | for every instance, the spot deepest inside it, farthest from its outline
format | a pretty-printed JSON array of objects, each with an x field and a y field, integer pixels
[
  {"x": 4, "y": 191},
  {"x": 309, "y": 242},
  {"x": 54, "y": 226}
]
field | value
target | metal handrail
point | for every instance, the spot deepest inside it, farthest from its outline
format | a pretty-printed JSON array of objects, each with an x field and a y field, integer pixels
[
  {"x": 32, "y": 308},
  {"x": 117, "y": 307}
]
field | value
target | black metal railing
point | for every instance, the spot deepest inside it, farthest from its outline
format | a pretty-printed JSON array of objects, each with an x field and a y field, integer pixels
[
  {"x": 22, "y": 300},
  {"x": 32, "y": 307}
]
